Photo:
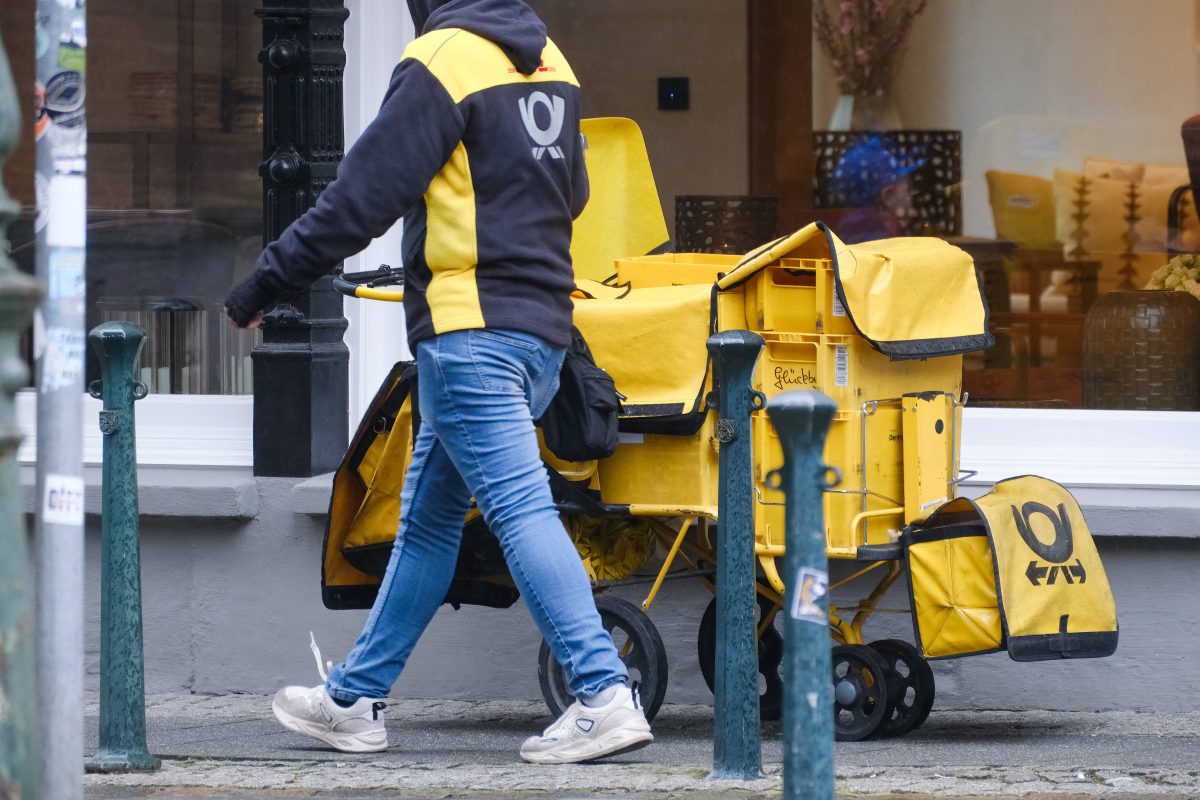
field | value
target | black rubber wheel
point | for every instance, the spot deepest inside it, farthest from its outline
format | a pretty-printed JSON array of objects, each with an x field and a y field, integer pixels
[
  {"x": 640, "y": 647},
  {"x": 770, "y": 660},
  {"x": 910, "y": 686},
  {"x": 860, "y": 694}
]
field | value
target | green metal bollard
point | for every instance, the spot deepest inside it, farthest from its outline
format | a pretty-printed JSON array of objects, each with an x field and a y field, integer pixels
[
  {"x": 19, "y": 295},
  {"x": 802, "y": 420},
  {"x": 122, "y": 669},
  {"x": 737, "y": 744}
]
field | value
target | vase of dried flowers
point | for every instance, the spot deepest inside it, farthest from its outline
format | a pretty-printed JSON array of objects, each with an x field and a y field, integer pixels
[{"x": 863, "y": 40}]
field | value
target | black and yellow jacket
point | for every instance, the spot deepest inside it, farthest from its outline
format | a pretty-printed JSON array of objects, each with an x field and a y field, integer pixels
[{"x": 477, "y": 147}]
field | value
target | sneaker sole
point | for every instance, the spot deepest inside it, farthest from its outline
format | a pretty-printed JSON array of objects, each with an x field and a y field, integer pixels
[
  {"x": 619, "y": 742},
  {"x": 345, "y": 742}
]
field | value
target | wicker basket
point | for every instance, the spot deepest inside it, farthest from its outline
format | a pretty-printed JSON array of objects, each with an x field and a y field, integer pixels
[{"x": 1141, "y": 350}]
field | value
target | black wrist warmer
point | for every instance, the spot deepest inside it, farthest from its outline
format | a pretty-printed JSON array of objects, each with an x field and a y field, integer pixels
[{"x": 246, "y": 299}]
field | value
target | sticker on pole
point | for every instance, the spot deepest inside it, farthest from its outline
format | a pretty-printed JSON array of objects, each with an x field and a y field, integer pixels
[
  {"x": 810, "y": 587},
  {"x": 63, "y": 503}
]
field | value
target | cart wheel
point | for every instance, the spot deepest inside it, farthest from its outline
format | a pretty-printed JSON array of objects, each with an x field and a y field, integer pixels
[
  {"x": 770, "y": 660},
  {"x": 640, "y": 647},
  {"x": 860, "y": 698},
  {"x": 910, "y": 686}
]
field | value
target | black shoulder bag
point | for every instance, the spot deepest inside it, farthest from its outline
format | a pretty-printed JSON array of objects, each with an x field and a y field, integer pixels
[{"x": 580, "y": 423}]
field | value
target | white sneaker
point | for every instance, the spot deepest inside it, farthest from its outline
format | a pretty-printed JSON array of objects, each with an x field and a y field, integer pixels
[
  {"x": 584, "y": 734},
  {"x": 312, "y": 712}
]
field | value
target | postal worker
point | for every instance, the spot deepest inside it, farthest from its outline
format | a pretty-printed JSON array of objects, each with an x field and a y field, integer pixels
[{"x": 477, "y": 148}]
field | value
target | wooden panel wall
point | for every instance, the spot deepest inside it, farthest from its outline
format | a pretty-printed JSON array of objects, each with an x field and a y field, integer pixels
[{"x": 780, "y": 77}]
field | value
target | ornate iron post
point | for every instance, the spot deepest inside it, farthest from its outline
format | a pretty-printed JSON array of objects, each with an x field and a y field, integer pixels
[
  {"x": 18, "y": 297},
  {"x": 802, "y": 420},
  {"x": 301, "y": 369},
  {"x": 737, "y": 744},
  {"x": 122, "y": 664}
]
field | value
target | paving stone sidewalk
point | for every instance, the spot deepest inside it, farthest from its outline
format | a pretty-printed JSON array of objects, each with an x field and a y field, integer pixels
[{"x": 444, "y": 748}]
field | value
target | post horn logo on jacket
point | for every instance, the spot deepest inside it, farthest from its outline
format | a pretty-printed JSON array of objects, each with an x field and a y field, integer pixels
[{"x": 497, "y": 228}]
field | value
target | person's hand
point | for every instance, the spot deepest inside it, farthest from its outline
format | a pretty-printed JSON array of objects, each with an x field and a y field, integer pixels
[
  {"x": 251, "y": 325},
  {"x": 245, "y": 302}
]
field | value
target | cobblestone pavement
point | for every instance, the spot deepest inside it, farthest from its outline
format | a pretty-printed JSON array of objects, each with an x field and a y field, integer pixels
[{"x": 230, "y": 746}]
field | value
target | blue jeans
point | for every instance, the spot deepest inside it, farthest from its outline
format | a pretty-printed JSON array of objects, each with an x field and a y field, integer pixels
[{"x": 480, "y": 391}]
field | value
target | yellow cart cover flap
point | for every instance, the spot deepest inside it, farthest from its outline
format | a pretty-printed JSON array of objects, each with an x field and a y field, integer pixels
[
  {"x": 653, "y": 342},
  {"x": 1053, "y": 594},
  {"x": 912, "y": 297},
  {"x": 624, "y": 215}
]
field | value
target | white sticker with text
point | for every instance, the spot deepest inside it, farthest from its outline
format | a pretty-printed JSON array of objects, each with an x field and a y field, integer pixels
[{"x": 63, "y": 503}]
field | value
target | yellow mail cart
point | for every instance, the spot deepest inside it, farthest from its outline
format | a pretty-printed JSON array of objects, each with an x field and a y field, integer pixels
[{"x": 879, "y": 327}]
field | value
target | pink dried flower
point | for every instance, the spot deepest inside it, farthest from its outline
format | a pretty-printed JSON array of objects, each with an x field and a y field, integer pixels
[{"x": 863, "y": 39}]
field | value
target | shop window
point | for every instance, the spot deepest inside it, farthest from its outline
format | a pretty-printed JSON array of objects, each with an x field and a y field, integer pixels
[
  {"x": 174, "y": 113},
  {"x": 1053, "y": 155}
]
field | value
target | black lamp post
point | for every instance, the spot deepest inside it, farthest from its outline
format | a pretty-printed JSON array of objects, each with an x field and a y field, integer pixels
[{"x": 301, "y": 369}]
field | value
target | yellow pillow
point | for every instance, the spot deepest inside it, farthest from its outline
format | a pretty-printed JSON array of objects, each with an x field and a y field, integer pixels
[
  {"x": 1113, "y": 169},
  {"x": 1022, "y": 208},
  {"x": 1104, "y": 220},
  {"x": 1091, "y": 213},
  {"x": 1166, "y": 174}
]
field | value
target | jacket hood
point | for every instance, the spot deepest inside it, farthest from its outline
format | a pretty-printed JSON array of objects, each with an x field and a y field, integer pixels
[{"x": 509, "y": 23}]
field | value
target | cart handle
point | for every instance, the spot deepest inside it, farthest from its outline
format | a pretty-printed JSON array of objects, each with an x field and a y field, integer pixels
[{"x": 366, "y": 285}]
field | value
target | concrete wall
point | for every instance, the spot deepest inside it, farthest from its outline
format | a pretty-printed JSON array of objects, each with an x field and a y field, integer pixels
[
  {"x": 229, "y": 604},
  {"x": 619, "y": 49},
  {"x": 1128, "y": 67}
]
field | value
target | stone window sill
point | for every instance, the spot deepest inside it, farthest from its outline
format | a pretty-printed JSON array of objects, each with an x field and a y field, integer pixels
[{"x": 229, "y": 493}]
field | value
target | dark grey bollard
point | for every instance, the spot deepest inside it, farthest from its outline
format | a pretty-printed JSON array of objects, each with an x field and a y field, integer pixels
[
  {"x": 737, "y": 744},
  {"x": 802, "y": 420},
  {"x": 122, "y": 667}
]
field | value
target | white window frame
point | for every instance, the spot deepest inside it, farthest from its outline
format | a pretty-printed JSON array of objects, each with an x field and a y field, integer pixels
[{"x": 1145, "y": 449}]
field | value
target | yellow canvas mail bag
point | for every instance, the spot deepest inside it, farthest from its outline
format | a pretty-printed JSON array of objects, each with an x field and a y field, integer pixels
[
  {"x": 911, "y": 297},
  {"x": 1054, "y": 594},
  {"x": 1016, "y": 569},
  {"x": 952, "y": 588},
  {"x": 364, "y": 508}
]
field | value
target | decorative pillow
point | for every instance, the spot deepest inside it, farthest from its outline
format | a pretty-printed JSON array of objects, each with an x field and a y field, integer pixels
[
  {"x": 1022, "y": 208},
  {"x": 1091, "y": 213},
  {"x": 1166, "y": 174},
  {"x": 1113, "y": 169},
  {"x": 1113, "y": 222}
]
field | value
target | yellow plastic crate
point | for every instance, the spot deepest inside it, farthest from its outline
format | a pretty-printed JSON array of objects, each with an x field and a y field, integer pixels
[
  {"x": 884, "y": 469},
  {"x": 848, "y": 369},
  {"x": 674, "y": 269},
  {"x": 796, "y": 294}
]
